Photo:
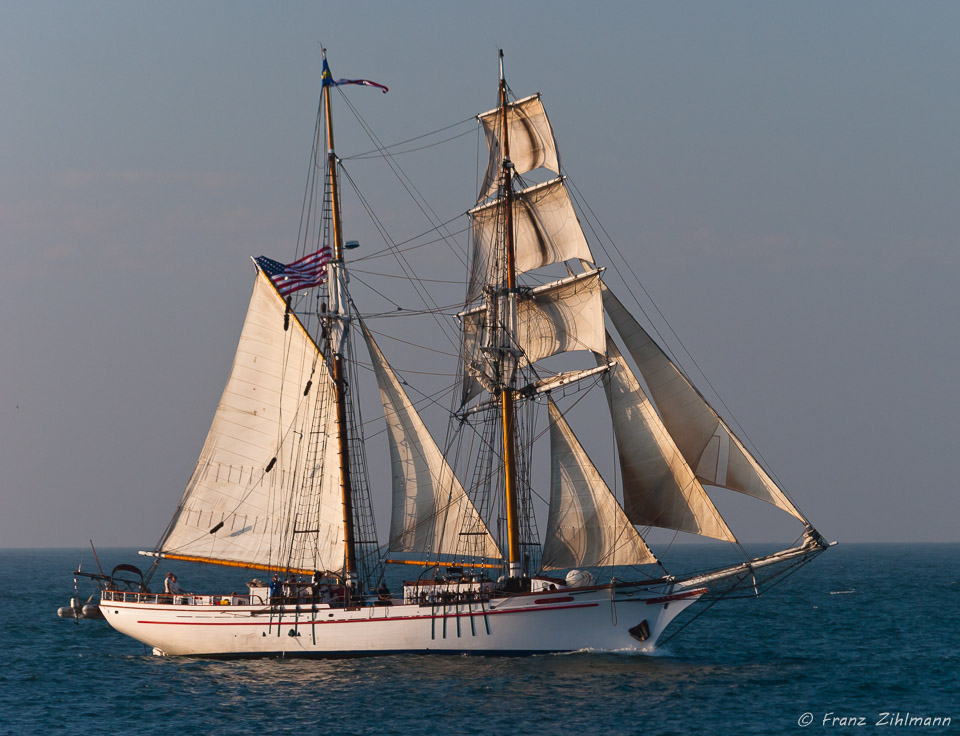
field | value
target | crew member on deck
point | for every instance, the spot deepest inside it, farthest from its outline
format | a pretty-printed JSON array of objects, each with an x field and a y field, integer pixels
[{"x": 174, "y": 585}]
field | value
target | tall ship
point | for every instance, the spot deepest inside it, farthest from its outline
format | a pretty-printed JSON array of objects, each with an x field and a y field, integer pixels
[{"x": 281, "y": 488}]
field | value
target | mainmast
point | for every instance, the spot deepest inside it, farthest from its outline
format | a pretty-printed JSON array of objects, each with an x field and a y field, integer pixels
[
  {"x": 337, "y": 321},
  {"x": 507, "y": 408}
]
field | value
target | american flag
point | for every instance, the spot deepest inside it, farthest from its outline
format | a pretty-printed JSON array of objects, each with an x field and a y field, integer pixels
[{"x": 311, "y": 270}]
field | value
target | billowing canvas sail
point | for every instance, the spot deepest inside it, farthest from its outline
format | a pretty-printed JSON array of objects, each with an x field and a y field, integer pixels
[
  {"x": 432, "y": 514},
  {"x": 560, "y": 317},
  {"x": 659, "y": 488},
  {"x": 585, "y": 526},
  {"x": 278, "y": 403},
  {"x": 531, "y": 140},
  {"x": 554, "y": 318},
  {"x": 546, "y": 231},
  {"x": 707, "y": 444}
]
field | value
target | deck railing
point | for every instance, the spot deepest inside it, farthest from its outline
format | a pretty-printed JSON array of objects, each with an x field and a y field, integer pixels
[{"x": 167, "y": 599}]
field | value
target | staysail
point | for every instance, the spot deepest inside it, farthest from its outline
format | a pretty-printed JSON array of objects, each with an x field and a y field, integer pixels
[
  {"x": 432, "y": 513},
  {"x": 585, "y": 526},
  {"x": 659, "y": 488},
  {"x": 267, "y": 471},
  {"x": 707, "y": 444}
]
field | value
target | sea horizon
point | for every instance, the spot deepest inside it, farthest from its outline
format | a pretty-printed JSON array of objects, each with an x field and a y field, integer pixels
[
  {"x": 838, "y": 639},
  {"x": 688, "y": 543}
]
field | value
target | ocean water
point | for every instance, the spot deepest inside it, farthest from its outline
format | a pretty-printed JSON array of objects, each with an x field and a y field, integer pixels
[{"x": 862, "y": 631}]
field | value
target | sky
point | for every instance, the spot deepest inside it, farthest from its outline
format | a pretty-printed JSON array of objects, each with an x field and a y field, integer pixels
[{"x": 782, "y": 177}]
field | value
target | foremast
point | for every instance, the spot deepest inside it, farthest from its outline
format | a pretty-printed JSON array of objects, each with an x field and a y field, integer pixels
[
  {"x": 337, "y": 320},
  {"x": 507, "y": 342},
  {"x": 666, "y": 453}
]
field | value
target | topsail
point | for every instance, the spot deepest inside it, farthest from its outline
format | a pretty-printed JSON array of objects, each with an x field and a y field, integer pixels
[
  {"x": 547, "y": 231},
  {"x": 531, "y": 140},
  {"x": 559, "y": 317}
]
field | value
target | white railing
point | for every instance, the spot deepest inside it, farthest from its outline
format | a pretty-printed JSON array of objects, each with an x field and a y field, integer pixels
[{"x": 167, "y": 599}]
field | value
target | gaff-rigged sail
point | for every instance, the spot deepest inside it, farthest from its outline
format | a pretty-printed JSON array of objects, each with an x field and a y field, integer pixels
[
  {"x": 586, "y": 526},
  {"x": 707, "y": 444},
  {"x": 268, "y": 469},
  {"x": 432, "y": 514},
  {"x": 531, "y": 140}
]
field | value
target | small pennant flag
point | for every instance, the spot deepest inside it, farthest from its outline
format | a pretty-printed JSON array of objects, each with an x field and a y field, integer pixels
[
  {"x": 364, "y": 82},
  {"x": 328, "y": 80},
  {"x": 311, "y": 270}
]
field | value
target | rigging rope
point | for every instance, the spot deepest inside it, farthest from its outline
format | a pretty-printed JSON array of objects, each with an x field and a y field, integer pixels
[
  {"x": 585, "y": 206},
  {"x": 379, "y": 151},
  {"x": 373, "y": 154}
]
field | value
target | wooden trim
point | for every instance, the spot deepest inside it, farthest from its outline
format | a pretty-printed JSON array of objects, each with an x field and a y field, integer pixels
[
  {"x": 421, "y": 563},
  {"x": 234, "y": 563}
]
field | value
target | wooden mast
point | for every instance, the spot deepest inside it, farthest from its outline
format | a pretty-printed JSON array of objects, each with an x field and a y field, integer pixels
[
  {"x": 507, "y": 408},
  {"x": 337, "y": 306}
]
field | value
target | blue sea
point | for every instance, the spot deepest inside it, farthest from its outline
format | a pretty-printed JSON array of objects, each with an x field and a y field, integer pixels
[{"x": 862, "y": 631}]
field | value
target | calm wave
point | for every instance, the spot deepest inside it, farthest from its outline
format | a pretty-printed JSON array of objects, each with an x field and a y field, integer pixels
[{"x": 863, "y": 630}]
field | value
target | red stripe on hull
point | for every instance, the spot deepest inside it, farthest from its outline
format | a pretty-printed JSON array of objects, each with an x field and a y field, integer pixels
[
  {"x": 292, "y": 622},
  {"x": 676, "y": 596}
]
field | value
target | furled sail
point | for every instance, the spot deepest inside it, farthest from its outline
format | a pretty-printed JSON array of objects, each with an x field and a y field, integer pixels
[
  {"x": 707, "y": 444},
  {"x": 531, "y": 140},
  {"x": 554, "y": 318},
  {"x": 585, "y": 526},
  {"x": 267, "y": 471},
  {"x": 432, "y": 513},
  {"x": 659, "y": 488},
  {"x": 546, "y": 231}
]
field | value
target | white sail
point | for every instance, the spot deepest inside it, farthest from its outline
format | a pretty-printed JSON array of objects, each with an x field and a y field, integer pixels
[
  {"x": 659, "y": 488},
  {"x": 278, "y": 403},
  {"x": 432, "y": 513},
  {"x": 707, "y": 443},
  {"x": 546, "y": 231},
  {"x": 585, "y": 526},
  {"x": 268, "y": 489},
  {"x": 554, "y": 318},
  {"x": 530, "y": 136}
]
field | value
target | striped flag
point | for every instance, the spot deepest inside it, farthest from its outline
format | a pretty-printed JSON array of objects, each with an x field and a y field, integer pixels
[
  {"x": 364, "y": 82},
  {"x": 311, "y": 270},
  {"x": 328, "y": 80}
]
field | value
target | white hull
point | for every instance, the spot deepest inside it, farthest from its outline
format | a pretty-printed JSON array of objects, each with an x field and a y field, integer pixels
[{"x": 555, "y": 621}]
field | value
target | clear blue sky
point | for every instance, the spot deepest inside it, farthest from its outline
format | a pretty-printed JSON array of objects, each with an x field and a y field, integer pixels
[{"x": 783, "y": 176}]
